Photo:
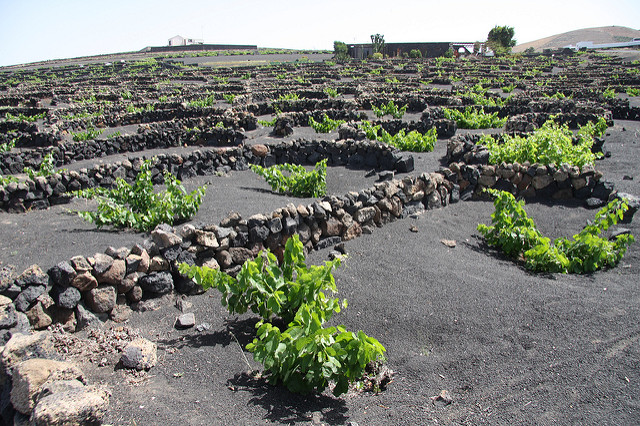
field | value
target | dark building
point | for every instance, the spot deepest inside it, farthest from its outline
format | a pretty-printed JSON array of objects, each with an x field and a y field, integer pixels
[
  {"x": 200, "y": 47},
  {"x": 428, "y": 50}
]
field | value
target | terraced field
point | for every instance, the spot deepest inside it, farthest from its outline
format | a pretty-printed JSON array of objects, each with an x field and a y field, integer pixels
[{"x": 405, "y": 183}]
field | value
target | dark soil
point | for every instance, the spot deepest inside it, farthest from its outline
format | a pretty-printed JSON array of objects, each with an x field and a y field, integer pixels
[{"x": 510, "y": 347}]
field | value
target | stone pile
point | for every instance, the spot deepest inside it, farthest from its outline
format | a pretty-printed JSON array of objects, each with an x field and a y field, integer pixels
[{"x": 39, "y": 388}]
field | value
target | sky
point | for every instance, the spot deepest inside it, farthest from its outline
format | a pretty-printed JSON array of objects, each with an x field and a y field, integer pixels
[{"x": 35, "y": 30}]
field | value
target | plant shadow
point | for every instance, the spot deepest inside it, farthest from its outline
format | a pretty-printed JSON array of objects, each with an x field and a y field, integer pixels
[
  {"x": 261, "y": 190},
  {"x": 481, "y": 246},
  {"x": 285, "y": 407},
  {"x": 280, "y": 405},
  {"x": 241, "y": 331}
]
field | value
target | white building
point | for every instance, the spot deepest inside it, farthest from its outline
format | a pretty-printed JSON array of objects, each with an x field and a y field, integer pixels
[{"x": 181, "y": 41}]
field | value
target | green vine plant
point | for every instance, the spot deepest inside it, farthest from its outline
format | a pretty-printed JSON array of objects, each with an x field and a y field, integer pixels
[
  {"x": 306, "y": 356},
  {"x": 298, "y": 181},
  {"x": 331, "y": 92},
  {"x": 609, "y": 93},
  {"x": 6, "y": 180},
  {"x": 632, "y": 91},
  {"x": 268, "y": 123},
  {"x": 478, "y": 97},
  {"x": 24, "y": 118},
  {"x": 390, "y": 108},
  {"x": 289, "y": 97},
  {"x": 8, "y": 146},
  {"x": 413, "y": 141},
  {"x": 47, "y": 168},
  {"x": 326, "y": 125},
  {"x": 550, "y": 144},
  {"x": 516, "y": 235},
  {"x": 138, "y": 206},
  {"x": 473, "y": 118},
  {"x": 89, "y": 134}
]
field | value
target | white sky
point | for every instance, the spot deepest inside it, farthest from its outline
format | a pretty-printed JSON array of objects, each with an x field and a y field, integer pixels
[{"x": 33, "y": 30}]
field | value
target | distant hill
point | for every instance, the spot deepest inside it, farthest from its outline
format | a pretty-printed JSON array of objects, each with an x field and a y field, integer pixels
[{"x": 597, "y": 35}]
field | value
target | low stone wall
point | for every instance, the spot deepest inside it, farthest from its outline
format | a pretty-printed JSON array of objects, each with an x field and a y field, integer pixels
[
  {"x": 148, "y": 137},
  {"x": 301, "y": 105},
  {"x": 285, "y": 122},
  {"x": 530, "y": 121},
  {"x": 469, "y": 168},
  {"x": 163, "y": 113},
  {"x": 110, "y": 284},
  {"x": 46, "y": 191}
]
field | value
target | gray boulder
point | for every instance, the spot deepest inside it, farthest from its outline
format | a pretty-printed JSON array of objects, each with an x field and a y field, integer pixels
[
  {"x": 66, "y": 297},
  {"x": 81, "y": 406},
  {"x": 157, "y": 283}
]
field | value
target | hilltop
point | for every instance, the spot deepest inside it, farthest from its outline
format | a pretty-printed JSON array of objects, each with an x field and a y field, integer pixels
[{"x": 610, "y": 34}]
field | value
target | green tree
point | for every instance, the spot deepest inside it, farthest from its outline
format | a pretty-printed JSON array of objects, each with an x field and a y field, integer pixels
[
  {"x": 378, "y": 43},
  {"x": 340, "y": 51},
  {"x": 500, "y": 39}
]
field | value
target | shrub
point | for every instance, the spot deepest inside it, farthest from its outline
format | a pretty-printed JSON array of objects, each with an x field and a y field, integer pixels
[
  {"x": 8, "y": 146},
  {"x": 209, "y": 101},
  {"x": 340, "y": 51},
  {"x": 413, "y": 141},
  {"x": 593, "y": 130},
  {"x": 289, "y": 97},
  {"x": 609, "y": 93},
  {"x": 299, "y": 182},
  {"x": 415, "y": 54},
  {"x": 46, "y": 168},
  {"x": 268, "y": 123},
  {"x": 377, "y": 56},
  {"x": 331, "y": 92},
  {"x": 480, "y": 98},
  {"x": 22, "y": 117},
  {"x": 326, "y": 125},
  {"x": 306, "y": 356},
  {"x": 473, "y": 118},
  {"x": 632, "y": 91},
  {"x": 552, "y": 143},
  {"x": 516, "y": 234},
  {"x": 271, "y": 290},
  {"x": 390, "y": 108},
  {"x": 89, "y": 134},
  {"x": 6, "y": 180},
  {"x": 137, "y": 206}
]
